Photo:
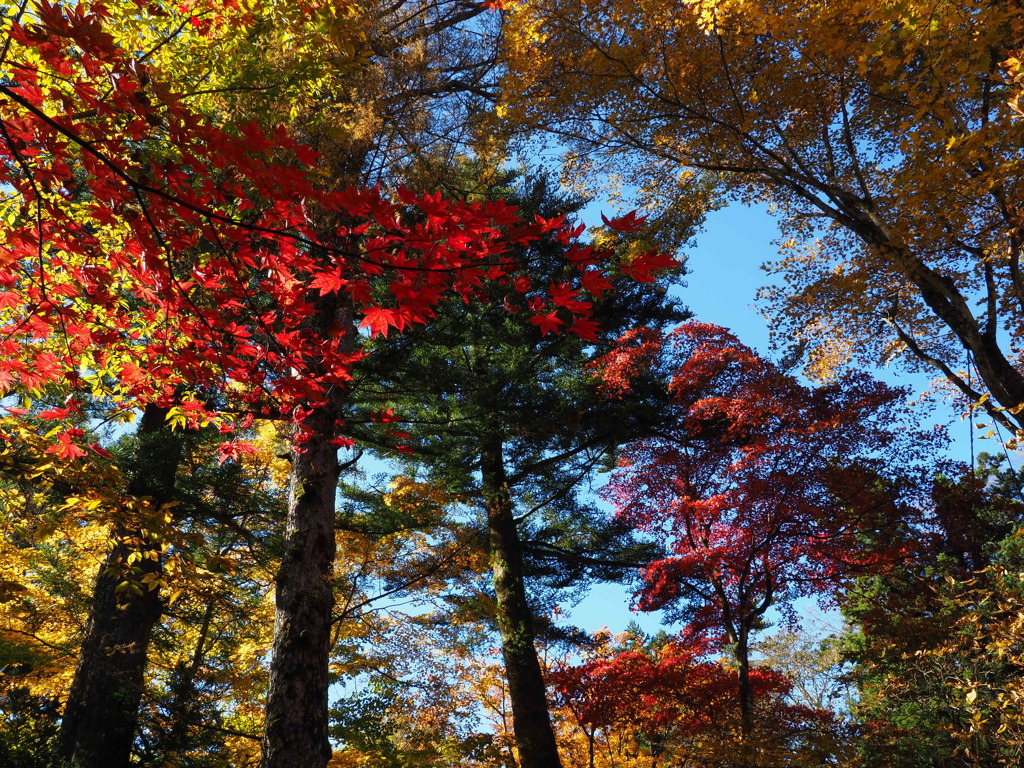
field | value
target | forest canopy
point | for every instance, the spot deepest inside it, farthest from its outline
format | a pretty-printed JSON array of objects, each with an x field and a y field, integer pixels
[{"x": 324, "y": 399}]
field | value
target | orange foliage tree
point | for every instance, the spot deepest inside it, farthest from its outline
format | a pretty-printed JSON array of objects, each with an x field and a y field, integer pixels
[
  {"x": 668, "y": 701},
  {"x": 882, "y": 132}
]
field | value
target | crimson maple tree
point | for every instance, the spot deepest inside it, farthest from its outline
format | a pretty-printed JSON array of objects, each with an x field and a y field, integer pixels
[{"x": 764, "y": 490}]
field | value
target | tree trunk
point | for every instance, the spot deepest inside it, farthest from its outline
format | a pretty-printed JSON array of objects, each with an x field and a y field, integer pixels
[
  {"x": 749, "y": 754},
  {"x": 746, "y": 689},
  {"x": 295, "y": 732},
  {"x": 101, "y": 714},
  {"x": 531, "y": 722}
]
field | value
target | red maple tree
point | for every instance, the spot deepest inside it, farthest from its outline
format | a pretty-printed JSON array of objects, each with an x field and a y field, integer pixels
[
  {"x": 763, "y": 489},
  {"x": 675, "y": 701}
]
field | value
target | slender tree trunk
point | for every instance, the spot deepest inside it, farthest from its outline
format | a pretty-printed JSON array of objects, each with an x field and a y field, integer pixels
[
  {"x": 531, "y": 722},
  {"x": 746, "y": 690},
  {"x": 101, "y": 715},
  {"x": 295, "y": 732}
]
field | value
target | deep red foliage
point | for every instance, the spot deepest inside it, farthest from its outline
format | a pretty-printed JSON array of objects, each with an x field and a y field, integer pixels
[
  {"x": 762, "y": 488},
  {"x": 675, "y": 687}
]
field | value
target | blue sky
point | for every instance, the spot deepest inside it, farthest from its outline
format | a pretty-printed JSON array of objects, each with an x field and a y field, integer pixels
[
  {"x": 724, "y": 279},
  {"x": 725, "y": 272}
]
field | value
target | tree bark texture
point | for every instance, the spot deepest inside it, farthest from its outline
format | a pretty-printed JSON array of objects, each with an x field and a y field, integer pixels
[
  {"x": 296, "y": 729},
  {"x": 295, "y": 734},
  {"x": 101, "y": 715},
  {"x": 746, "y": 689},
  {"x": 531, "y": 722}
]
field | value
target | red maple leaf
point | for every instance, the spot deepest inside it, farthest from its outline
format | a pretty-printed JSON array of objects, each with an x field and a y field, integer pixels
[
  {"x": 593, "y": 281},
  {"x": 548, "y": 323},
  {"x": 642, "y": 267},
  {"x": 233, "y": 449},
  {"x": 379, "y": 320},
  {"x": 585, "y": 328},
  {"x": 66, "y": 447},
  {"x": 564, "y": 295},
  {"x": 628, "y": 223},
  {"x": 328, "y": 282}
]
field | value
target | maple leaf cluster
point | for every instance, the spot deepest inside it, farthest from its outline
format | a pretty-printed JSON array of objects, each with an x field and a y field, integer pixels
[{"x": 153, "y": 256}]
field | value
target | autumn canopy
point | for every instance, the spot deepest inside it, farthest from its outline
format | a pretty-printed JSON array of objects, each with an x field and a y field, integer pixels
[{"x": 325, "y": 398}]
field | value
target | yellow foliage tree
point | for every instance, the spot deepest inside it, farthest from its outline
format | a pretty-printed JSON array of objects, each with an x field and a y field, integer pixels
[
  {"x": 63, "y": 524},
  {"x": 882, "y": 132},
  {"x": 53, "y": 535}
]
